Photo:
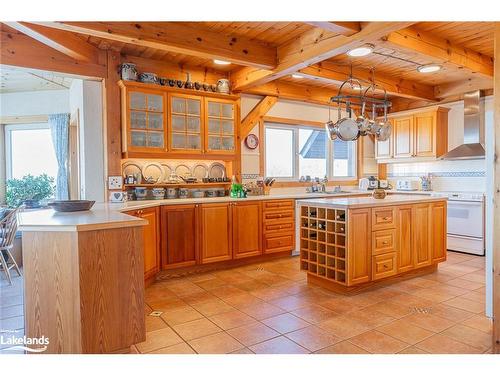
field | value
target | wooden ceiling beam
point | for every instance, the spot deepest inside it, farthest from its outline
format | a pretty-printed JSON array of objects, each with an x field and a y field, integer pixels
[
  {"x": 20, "y": 50},
  {"x": 177, "y": 38},
  {"x": 290, "y": 91},
  {"x": 311, "y": 48},
  {"x": 459, "y": 87},
  {"x": 256, "y": 114},
  {"x": 330, "y": 73},
  {"x": 343, "y": 28},
  {"x": 62, "y": 41},
  {"x": 440, "y": 50}
]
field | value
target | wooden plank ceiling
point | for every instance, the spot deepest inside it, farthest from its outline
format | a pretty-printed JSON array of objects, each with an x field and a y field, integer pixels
[{"x": 265, "y": 54}]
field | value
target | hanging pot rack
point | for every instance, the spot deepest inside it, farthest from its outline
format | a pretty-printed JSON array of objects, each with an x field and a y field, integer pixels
[{"x": 348, "y": 129}]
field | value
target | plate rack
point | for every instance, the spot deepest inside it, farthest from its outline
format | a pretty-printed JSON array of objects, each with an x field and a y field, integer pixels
[{"x": 323, "y": 242}]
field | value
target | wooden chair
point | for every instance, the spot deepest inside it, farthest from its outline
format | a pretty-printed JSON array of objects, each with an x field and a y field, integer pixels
[{"x": 8, "y": 228}]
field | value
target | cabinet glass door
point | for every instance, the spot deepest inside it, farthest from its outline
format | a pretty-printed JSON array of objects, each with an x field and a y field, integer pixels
[
  {"x": 146, "y": 113},
  {"x": 185, "y": 123},
  {"x": 221, "y": 126}
]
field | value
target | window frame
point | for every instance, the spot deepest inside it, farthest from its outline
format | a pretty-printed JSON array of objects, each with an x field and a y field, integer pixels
[
  {"x": 295, "y": 126},
  {"x": 8, "y": 141}
]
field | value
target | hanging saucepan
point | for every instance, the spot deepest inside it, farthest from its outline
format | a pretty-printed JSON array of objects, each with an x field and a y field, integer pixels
[
  {"x": 384, "y": 132},
  {"x": 331, "y": 130},
  {"x": 362, "y": 121},
  {"x": 347, "y": 129}
]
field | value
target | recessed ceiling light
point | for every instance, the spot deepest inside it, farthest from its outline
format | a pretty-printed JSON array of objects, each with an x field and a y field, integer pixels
[
  {"x": 429, "y": 68},
  {"x": 298, "y": 76},
  {"x": 221, "y": 62},
  {"x": 364, "y": 50}
]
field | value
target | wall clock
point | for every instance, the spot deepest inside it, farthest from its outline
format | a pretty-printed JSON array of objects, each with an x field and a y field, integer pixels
[{"x": 251, "y": 141}]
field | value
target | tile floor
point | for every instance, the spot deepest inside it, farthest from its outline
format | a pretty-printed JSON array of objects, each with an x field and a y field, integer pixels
[{"x": 269, "y": 308}]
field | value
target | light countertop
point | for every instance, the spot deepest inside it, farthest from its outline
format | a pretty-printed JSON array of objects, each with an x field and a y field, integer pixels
[
  {"x": 362, "y": 202},
  {"x": 110, "y": 215},
  {"x": 99, "y": 217}
]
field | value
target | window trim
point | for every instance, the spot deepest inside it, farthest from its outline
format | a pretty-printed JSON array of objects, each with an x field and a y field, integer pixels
[
  {"x": 295, "y": 125},
  {"x": 8, "y": 141}
]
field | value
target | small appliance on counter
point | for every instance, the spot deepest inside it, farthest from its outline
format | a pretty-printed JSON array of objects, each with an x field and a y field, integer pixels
[
  {"x": 407, "y": 185},
  {"x": 384, "y": 184},
  {"x": 364, "y": 183},
  {"x": 372, "y": 183}
]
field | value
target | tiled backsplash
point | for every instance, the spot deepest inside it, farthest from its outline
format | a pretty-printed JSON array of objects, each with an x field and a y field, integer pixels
[{"x": 460, "y": 175}]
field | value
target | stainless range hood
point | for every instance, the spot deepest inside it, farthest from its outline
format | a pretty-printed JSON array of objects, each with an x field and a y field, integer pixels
[{"x": 473, "y": 146}]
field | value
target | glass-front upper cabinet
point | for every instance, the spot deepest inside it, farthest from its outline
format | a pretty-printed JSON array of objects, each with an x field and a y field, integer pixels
[
  {"x": 146, "y": 121},
  {"x": 185, "y": 123},
  {"x": 220, "y": 125}
]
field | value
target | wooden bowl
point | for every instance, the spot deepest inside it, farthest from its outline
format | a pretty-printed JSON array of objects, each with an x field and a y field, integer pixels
[
  {"x": 71, "y": 205},
  {"x": 379, "y": 194}
]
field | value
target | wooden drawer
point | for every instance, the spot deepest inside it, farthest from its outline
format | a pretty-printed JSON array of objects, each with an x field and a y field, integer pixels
[
  {"x": 279, "y": 216},
  {"x": 383, "y": 241},
  {"x": 278, "y": 204},
  {"x": 383, "y": 218},
  {"x": 279, "y": 228},
  {"x": 384, "y": 266},
  {"x": 278, "y": 243}
]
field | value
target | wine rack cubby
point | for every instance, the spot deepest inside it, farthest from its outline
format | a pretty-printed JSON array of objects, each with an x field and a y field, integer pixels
[{"x": 323, "y": 242}]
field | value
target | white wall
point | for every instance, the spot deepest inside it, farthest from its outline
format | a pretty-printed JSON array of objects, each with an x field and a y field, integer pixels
[
  {"x": 86, "y": 98},
  {"x": 34, "y": 103}
]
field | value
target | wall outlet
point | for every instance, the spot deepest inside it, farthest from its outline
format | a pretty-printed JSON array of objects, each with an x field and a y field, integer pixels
[{"x": 115, "y": 182}]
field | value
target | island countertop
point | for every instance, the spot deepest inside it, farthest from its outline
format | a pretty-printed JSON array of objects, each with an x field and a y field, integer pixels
[
  {"x": 363, "y": 202},
  {"x": 100, "y": 217}
]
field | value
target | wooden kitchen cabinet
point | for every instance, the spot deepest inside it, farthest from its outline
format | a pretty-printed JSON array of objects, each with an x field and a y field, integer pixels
[
  {"x": 359, "y": 246},
  {"x": 216, "y": 232},
  {"x": 415, "y": 136},
  {"x": 151, "y": 240},
  {"x": 162, "y": 122},
  {"x": 145, "y": 121},
  {"x": 404, "y": 247},
  {"x": 247, "y": 229},
  {"x": 422, "y": 234},
  {"x": 403, "y": 137},
  {"x": 438, "y": 241},
  {"x": 278, "y": 220},
  {"x": 179, "y": 236}
]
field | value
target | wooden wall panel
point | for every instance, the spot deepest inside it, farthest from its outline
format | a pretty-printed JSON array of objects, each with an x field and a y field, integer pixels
[{"x": 113, "y": 120}]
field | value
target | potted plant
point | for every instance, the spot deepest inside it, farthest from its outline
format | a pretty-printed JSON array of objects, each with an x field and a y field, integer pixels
[{"x": 29, "y": 190}]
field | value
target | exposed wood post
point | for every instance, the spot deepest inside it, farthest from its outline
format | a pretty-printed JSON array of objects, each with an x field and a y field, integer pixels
[
  {"x": 382, "y": 171},
  {"x": 256, "y": 114},
  {"x": 496, "y": 198},
  {"x": 113, "y": 118}
]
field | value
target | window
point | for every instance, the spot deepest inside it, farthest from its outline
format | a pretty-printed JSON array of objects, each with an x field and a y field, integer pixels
[
  {"x": 293, "y": 151},
  {"x": 29, "y": 150}
]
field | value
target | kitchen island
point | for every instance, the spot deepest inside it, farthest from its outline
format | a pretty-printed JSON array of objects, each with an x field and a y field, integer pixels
[
  {"x": 83, "y": 279},
  {"x": 350, "y": 244}
]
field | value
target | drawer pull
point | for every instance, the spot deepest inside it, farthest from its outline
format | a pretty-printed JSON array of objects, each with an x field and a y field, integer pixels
[
  {"x": 386, "y": 266},
  {"x": 385, "y": 218},
  {"x": 385, "y": 242}
]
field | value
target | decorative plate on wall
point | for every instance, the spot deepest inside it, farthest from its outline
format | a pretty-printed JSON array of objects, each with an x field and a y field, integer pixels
[
  {"x": 152, "y": 173},
  {"x": 200, "y": 171},
  {"x": 131, "y": 168},
  {"x": 217, "y": 170},
  {"x": 183, "y": 170},
  {"x": 251, "y": 141}
]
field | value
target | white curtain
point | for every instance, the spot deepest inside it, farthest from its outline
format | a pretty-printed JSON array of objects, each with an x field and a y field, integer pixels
[{"x": 59, "y": 128}]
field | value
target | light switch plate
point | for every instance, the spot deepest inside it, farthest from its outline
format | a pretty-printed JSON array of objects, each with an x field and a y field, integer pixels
[{"x": 115, "y": 182}]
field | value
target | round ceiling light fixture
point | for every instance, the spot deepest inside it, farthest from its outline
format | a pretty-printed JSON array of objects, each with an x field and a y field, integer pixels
[
  {"x": 429, "y": 68},
  {"x": 221, "y": 62},
  {"x": 298, "y": 76},
  {"x": 364, "y": 50}
]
